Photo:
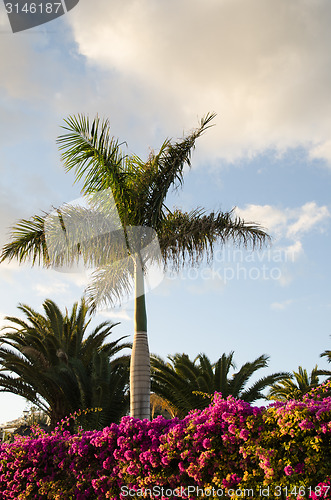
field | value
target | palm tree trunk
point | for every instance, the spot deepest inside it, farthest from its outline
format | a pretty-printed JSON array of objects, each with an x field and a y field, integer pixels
[{"x": 140, "y": 359}]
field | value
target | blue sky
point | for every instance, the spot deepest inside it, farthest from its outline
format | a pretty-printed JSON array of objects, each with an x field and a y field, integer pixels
[{"x": 265, "y": 69}]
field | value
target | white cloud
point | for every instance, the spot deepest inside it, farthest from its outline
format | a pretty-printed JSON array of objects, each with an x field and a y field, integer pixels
[
  {"x": 293, "y": 252},
  {"x": 8, "y": 268},
  {"x": 280, "y": 306},
  {"x": 288, "y": 222},
  {"x": 308, "y": 216},
  {"x": 286, "y": 277},
  {"x": 264, "y": 67},
  {"x": 322, "y": 151},
  {"x": 115, "y": 315},
  {"x": 287, "y": 227},
  {"x": 272, "y": 219},
  {"x": 51, "y": 288}
]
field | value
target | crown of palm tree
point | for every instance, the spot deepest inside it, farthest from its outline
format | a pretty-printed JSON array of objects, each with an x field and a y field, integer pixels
[
  {"x": 52, "y": 362},
  {"x": 184, "y": 383},
  {"x": 295, "y": 389},
  {"x": 137, "y": 191}
]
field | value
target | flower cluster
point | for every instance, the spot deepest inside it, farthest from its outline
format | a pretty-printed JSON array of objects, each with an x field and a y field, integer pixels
[
  {"x": 322, "y": 491},
  {"x": 230, "y": 445}
]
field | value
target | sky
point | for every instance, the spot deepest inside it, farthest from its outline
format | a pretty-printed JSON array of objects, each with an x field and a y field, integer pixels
[{"x": 154, "y": 69}]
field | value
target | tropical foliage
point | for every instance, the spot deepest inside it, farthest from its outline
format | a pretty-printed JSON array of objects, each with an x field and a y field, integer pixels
[
  {"x": 184, "y": 384},
  {"x": 230, "y": 449},
  {"x": 52, "y": 361},
  {"x": 138, "y": 189},
  {"x": 326, "y": 354},
  {"x": 295, "y": 389}
]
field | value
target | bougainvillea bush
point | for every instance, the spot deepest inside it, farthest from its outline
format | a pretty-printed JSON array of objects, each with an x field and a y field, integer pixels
[{"x": 230, "y": 449}]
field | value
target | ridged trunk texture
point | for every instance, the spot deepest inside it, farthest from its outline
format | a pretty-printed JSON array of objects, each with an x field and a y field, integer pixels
[{"x": 140, "y": 358}]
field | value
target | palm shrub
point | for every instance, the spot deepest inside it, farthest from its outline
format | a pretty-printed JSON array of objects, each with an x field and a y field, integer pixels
[
  {"x": 52, "y": 361},
  {"x": 185, "y": 384},
  {"x": 288, "y": 388}
]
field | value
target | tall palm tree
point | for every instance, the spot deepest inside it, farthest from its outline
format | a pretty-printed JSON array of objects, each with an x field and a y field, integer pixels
[
  {"x": 295, "y": 389},
  {"x": 185, "y": 384},
  {"x": 138, "y": 189},
  {"x": 54, "y": 363}
]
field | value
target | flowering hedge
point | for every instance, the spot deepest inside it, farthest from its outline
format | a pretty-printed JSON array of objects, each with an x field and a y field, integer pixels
[{"x": 229, "y": 449}]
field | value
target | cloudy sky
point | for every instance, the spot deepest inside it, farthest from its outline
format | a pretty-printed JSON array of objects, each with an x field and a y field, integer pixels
[{"x": 154, "y": 68}]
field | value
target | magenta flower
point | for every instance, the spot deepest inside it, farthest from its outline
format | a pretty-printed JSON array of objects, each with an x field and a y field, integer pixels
[
  {"x": 206, "y": 443},
  {"x": 288, "y": 470},
  {"x": 244, "y": 434}
]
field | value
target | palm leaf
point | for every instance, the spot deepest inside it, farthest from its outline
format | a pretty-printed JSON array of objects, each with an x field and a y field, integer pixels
[
  {"x": 188, "y": 237},
  {"x": 168, "y": 170},
  {"x": 28, "y": 242}
]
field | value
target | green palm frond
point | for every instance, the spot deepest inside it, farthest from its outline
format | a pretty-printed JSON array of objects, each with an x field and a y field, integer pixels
[
  {"x": 172, "y": 383},
  {"x": 48, "y": 359},
  {"x": 95, "y": 156},
  {"x": 28, "y": 242},
  {"x": 221, "y": 373},
  {"x": 165, "y": 170},
  {"x": 288, "y": 388},
  {"x": 184, "y": 383},
  {"x": 111, "y": 283},
  {"x": 255, "y": 391},
  {"x": 240, "y": 379},
  {"x": 188, "y": 237},
  {"x": 325, "y": 354}
]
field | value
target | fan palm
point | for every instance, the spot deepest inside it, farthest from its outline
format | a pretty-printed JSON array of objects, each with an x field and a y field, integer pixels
[
  {"x": 51, "y": 361},
  {"x": 295, "y": 389},
  {"x": 137, "y": 193},
  {"x": 185, "y": 384}
]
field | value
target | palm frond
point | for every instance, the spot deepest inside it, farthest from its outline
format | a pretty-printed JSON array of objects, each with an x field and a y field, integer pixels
[
  {"x": 255, "y": 391},
  {"x": 188, "y": 237},
  {"x": 288, "y": 388},
  {"x": 94, "y": 155},
  {"x": 49, "y": 360},
  {"x": 167, "y": 169},
  {"x": 221, "y": 373},
  {"x": 28, "y": 242},
  {"x": 110, "y": 284}
]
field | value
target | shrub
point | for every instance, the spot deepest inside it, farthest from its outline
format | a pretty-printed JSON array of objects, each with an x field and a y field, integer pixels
[{"x": 230, "y": 448}]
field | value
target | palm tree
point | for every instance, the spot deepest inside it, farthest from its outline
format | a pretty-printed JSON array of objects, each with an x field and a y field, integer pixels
[
  {"x": 53, "y": 362},
  {"x": 138, "y": 189},
  {"x": 185, "y": 384},
  {"x": 326, "y": 354},
  {"x": 295, "y": 389}
]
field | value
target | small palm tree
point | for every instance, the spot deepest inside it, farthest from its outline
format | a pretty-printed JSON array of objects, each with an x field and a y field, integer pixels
[
  {"x": 288, "y": 388},
  {"x": 184, "y": 384},
  {"x": 139, "y": 190},
  {"x": 53, "y": 362},
  {"x": 326, "y": 354}
]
